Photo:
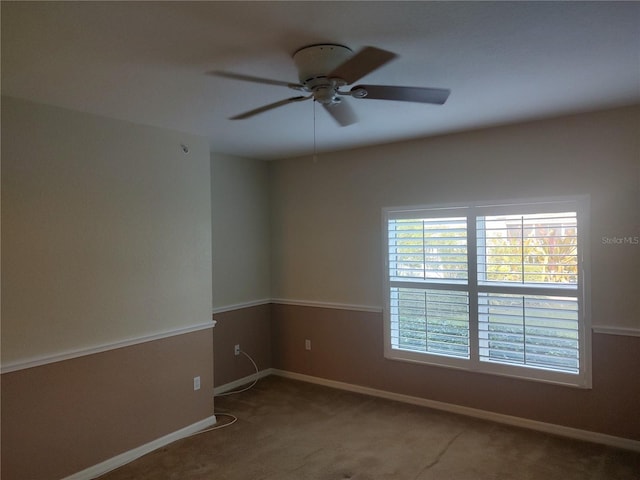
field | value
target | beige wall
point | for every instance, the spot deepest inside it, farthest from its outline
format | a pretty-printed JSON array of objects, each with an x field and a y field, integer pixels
[
  {"x": 327, "y": 231},
  {"x": 347, "y": 347},
  {"x": 241, "y": 235},
  {"x": 251, "y": 329},
  {"x": 106, "y": 240},
  {"x": 241, "y": 265},
  {"x": 327, "y": 248},
  {"x": 123, "y": 214},
  {"x": 64, "y": 417},
  {"x": 106, "y": 231}
]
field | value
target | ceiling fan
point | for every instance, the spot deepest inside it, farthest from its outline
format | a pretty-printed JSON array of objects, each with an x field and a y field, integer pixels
[{"x": 323, "y": 71}]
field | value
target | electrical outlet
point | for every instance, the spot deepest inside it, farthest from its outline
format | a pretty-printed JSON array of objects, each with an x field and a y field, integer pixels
[
  {"x": 236, "y": 350},
  {"x": 307, "y": 344},
  {"x": 196, "y": 383}
]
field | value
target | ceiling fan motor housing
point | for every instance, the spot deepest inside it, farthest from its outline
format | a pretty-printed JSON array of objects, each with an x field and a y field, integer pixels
[{"x": 314, "y": 63}]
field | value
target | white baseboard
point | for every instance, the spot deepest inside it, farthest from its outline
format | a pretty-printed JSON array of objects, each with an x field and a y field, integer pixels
[
  {"x": 126, "y": 457},
  {"x": 560, "y": 430},
  {"x": 585, "y": 435},
  {"x": 241, "y": 381}
]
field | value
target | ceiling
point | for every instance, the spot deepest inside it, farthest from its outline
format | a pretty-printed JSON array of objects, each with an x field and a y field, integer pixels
[{"x": 146, "y": 62}]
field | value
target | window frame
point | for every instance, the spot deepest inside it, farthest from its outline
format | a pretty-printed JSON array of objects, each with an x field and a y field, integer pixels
[{"x": 471, "y": 210}]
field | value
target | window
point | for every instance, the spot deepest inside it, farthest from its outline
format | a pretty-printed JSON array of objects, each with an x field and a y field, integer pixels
[{"x": 497, "y": 288}]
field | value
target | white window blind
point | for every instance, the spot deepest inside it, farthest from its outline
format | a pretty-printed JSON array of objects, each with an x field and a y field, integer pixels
[
  {"x": 533, "y": 330},
  {"x": 433, "y": 321},
  {"x": 428, "y": 248},
  {"x": 496, "y": 288},
  {"x": 528, "y": 249}
]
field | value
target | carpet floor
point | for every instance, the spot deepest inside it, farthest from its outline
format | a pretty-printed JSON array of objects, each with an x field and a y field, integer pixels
[{"x": 290, "y": 430}]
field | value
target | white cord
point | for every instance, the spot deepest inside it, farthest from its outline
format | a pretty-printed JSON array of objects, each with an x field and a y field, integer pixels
[
  {"x": 233, "y": 392},
  {"x": 315, "y": 150},
  {"x": 234, "y": 419}
]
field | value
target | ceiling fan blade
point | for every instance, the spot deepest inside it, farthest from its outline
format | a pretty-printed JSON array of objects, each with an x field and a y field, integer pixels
[
  {"x": 365, "y": 61},
  {"x": 271, "y": 106},
  {"x": 404, "y": 94},
  {"x": 342, "y": 113},
  {"x": 250, "y": 78}
]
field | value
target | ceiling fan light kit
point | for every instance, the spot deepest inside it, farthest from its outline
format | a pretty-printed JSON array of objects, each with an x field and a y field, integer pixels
[
  {"x": 316, "y": 61},
  {"x": 325, "y": 68}
]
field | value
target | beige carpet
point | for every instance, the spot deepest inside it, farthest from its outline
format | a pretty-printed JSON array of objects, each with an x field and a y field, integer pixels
[{"x": 290, "y": 430}]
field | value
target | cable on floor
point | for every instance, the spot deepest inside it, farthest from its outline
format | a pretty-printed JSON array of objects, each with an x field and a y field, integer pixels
[
  {"x": 234, "y": 419},
  {"x": 255, "y": 380}
]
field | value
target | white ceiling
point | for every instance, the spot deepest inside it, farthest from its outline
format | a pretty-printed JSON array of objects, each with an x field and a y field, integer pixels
[{"x": 146, "y": 62}]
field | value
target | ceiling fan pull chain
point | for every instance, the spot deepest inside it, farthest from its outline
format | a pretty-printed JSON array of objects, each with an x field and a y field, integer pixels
[{"x": 315, "y": 151}]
